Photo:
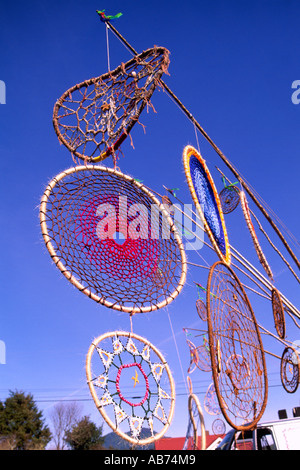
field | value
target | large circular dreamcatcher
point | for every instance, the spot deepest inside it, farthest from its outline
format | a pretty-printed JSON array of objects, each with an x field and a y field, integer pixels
[
  {"x": 258, "y": 249},
  {"x": 278, "y": 313},
  {"x": 112, "y": 239},
  {"x": 93, "y": 118},
  {"x": 206, "y": 200},
  {"x": 236, "y": 350},
  {"x": 196, "y": 421},
  {"x": 290, "y": 369},
  {"x": 131, "y": 385}
]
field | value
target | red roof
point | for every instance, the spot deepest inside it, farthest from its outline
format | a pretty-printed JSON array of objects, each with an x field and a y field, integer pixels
[{"x": 177, "y": 443}]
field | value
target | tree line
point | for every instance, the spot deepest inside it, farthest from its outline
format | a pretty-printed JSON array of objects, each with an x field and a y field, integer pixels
[{"x": 23, "y": 427}]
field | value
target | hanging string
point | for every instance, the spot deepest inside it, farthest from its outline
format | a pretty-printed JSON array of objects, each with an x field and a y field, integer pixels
[
  {"x": 107, "y": 47},
  {"x": 178, "y": 355}
]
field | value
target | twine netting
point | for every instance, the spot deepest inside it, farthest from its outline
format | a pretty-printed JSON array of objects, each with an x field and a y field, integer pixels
[
  {"x": 94, "y": 117},
  {"x": 131, "y": 385},
  {"x": 112, "y": 239},
  {"x": 290, "y": 369},
  {"x": 236, "y": 350},
  {"x": 206, "y": 200},
  {"x": 258, "y": 249},
  {"x": 229, "y": 198},
  {"x": 278, "y": 313},
  {"x": 211, "y": 404}
]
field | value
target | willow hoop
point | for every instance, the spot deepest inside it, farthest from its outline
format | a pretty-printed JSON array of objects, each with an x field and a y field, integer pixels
[
  {"x": 93, "y": 118},
  {"x": 207, "y": 202},
  {"x": 236, "y": 350},
  {"x": 81, "y": 212},
  {"x": 251, "y": 229},
  {"x": 107, "y": 355}
]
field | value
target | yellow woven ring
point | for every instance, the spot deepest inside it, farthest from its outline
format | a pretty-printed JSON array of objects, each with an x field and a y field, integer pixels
[{"x": 189, "y": 152}]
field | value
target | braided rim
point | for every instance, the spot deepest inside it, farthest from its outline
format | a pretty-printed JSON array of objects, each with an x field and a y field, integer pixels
[
  {"x": 215, "y": 352},
  {"x": 188, "y": 152},
  {"x": 73, "y": 279},
  {"x": 250, "y": 226},
  {"x": 110, "y": 423}
]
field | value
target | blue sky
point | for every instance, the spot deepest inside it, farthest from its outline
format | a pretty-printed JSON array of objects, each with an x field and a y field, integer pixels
[{"x": 232, "y": 65}]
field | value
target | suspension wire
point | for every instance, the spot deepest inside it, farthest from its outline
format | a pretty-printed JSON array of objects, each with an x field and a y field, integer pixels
[{"x": 107, "y": 47}]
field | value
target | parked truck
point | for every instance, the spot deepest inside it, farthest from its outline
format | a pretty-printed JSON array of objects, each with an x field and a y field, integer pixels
[{"x": 283, "y": 434}]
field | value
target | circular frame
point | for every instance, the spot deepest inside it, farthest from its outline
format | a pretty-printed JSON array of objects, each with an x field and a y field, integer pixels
[
  {"x": 99, "y": 404},
  {"x": 190, "y": 154},
  {"x": 165, "y": 291},
  {"x": 229, "y": 198},
  {"x": 233, "y": 333}
]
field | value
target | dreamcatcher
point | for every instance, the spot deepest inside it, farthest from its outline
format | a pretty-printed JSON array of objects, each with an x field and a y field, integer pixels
[
  {"x": 83, "y": 212},
  {"x": 229, "y": 198},
  {"x": 196, "y": 420},
  {"x": 278, "y": 313},
  {"x": 237, "y": 357},
  {"x": 200, "y": 303},
  {"x": 218, "y": 427},
  {"x": 94, "y": 117},
  {"x": 290, "y": 369},
  {"x": 206, "y": 200},
  {"x": 199, "y": 357},
  {"x": 131, "y": 385},
  {"x": 258, "y": 249}
]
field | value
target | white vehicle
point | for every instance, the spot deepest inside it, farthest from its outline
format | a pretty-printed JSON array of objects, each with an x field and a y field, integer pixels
[{"x": 274, "y": 435}]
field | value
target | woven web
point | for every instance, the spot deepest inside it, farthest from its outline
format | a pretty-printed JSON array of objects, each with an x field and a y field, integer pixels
[
  {"x": 130, "y": 384},
  {"x": 211, "y": 404},
  {"x": 93, "y": 118},
  {"x": 238, "y": 363},
  {"x": 207, "y": 201},
  {"x": 290, "y": 369},
  {"x": 102, "y": 229},
  {"x": 278, "y": 312},
  {"x": 218, "y": 426},
  {"x": 229, "y": 198}
]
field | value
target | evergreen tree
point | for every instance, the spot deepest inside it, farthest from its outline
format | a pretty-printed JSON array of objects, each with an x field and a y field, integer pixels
[
  {"x": 85, "y": 435},
  {"x": 22, "y": 424}
]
